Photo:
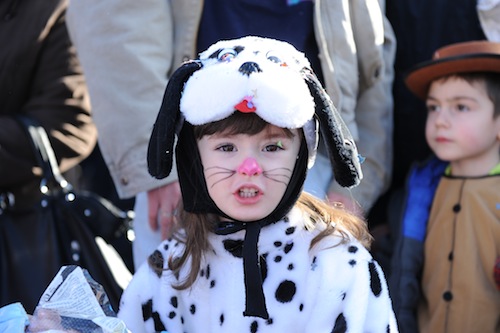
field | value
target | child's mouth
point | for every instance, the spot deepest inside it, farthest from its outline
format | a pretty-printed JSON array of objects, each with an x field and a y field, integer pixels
[{"x": 248, "y": 192}]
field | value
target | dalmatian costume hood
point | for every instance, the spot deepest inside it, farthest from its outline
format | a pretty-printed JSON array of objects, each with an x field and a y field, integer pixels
[{"x": 252, "y": 74}]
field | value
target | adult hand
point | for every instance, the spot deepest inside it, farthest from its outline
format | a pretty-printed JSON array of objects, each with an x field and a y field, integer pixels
[
  {"x": 349, "y": 203},
  {"x": 162, "y": 207}
]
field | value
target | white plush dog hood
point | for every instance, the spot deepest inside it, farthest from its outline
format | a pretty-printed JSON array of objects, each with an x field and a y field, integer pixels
[
  {"x": 253, "y": 74},
  {"x": 238, "y": 77}
]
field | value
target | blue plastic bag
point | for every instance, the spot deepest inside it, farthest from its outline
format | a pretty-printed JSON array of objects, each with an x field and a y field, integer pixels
[{"x": 13, "y": 318}]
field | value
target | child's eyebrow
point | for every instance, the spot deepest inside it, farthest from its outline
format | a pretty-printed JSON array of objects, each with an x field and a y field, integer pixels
[
  {"x": 270, "y": 135},
  {"x": 279, "y": 135},
  {"x": 453, "y": 99},
  {"x": 458, "y": 98}
]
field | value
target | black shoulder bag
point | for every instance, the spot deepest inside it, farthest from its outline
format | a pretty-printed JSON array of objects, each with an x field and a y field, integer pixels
[{"x": 59, "y": 229}]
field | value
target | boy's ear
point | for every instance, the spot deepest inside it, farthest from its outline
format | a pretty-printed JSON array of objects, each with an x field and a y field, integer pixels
[
  {"x": 338, "y": 140},
  {"x": 161, "y": 142}
]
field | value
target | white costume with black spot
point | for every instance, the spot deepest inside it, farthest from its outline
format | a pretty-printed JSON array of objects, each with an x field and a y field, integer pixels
[{"x": 324, "y": 289}]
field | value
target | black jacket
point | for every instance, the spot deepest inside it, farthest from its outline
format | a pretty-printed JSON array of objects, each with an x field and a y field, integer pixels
[{"x": 40, "y": 76}]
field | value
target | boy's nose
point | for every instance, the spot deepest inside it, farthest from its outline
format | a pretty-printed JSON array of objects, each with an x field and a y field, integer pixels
[
  {"x": 249, "y": 167},
  {"x": 442, "y": 119}
]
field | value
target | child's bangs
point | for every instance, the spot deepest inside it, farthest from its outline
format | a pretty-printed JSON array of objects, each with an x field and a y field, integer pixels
[{"x": 237, "y": 123}]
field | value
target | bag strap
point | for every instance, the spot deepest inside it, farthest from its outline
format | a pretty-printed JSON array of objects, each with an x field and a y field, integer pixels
[{"x": 44, "y": 154}]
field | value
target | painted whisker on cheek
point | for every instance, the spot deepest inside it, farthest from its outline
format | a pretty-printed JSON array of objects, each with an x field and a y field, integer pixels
[
  {"x": 279, "y": 175},
  {"x": 225, "y": 173}
]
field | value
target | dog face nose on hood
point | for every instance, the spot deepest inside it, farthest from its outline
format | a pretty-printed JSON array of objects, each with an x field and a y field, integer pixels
[{"x": 249, "y": 67}]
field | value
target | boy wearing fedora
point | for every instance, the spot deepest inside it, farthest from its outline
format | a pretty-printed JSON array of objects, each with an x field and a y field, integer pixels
[{"x": 449, "y": 241}]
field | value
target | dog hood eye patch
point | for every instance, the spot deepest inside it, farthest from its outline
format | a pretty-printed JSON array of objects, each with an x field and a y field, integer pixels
[{"x": 219, "y": 54}]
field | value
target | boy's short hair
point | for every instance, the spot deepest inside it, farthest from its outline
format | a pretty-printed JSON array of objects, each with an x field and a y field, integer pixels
[
  {"x": 457, "y": 59},
  {"x": 491, "y": 82}
]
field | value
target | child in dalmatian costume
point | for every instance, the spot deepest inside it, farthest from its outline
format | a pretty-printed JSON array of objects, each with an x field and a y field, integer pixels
[{"x": 252, "y": 252}]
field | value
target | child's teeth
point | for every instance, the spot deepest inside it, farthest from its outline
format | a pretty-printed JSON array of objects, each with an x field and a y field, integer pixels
[{"x": 247, "y": 192}]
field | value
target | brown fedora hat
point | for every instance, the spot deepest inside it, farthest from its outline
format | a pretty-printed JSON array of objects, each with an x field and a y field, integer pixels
[{"x": 466, "y": 57}]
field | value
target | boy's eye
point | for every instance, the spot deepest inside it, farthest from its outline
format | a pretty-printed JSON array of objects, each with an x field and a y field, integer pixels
[
  {"x": 462, "y": 108},
  {"x": 226, "y": 55},
  {"x": 432, "y": 107}
]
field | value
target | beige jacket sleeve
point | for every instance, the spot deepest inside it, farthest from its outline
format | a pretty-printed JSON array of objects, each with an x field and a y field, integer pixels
[
  {"x": 125, "y": 50},
  {"x": 374, "y": 112},
  {"x": 361, "y": 45}
]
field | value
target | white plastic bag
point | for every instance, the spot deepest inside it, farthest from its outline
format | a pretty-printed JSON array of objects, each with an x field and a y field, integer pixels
[{"x": 74, "y": 303}]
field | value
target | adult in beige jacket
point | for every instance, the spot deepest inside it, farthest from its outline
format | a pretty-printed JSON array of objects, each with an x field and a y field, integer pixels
[{"x": 129, "y": 48}]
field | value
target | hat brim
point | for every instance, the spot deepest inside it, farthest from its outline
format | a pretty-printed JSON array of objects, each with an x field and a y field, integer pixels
[{"x": 420, "y": 77}]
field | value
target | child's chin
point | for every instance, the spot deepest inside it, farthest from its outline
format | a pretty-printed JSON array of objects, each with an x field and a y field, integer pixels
[{"x": 251, "y": 216}]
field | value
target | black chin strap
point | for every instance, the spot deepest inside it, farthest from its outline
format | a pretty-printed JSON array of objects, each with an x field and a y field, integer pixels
[
  {"x": 255, "y": 305},
  {"x": 256, "y": 302}
]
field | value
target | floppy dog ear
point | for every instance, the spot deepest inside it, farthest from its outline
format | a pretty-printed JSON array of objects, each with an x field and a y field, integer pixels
[
  {"x": 338, "y": 140},
  {"x": 161, "y": 142}
]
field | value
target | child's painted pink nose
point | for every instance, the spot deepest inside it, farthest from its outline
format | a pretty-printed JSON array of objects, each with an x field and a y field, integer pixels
[{"x": 249, "y": 167}]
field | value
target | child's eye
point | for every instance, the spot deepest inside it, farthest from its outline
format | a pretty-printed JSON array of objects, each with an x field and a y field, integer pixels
[
  {"x": 273, "y": 147},
  {"x": 226, "y": 55},
  {"x": 462, "y": 108},
  {"x": 432, "y": 108},
  {"x": 226, "y": 148}
]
